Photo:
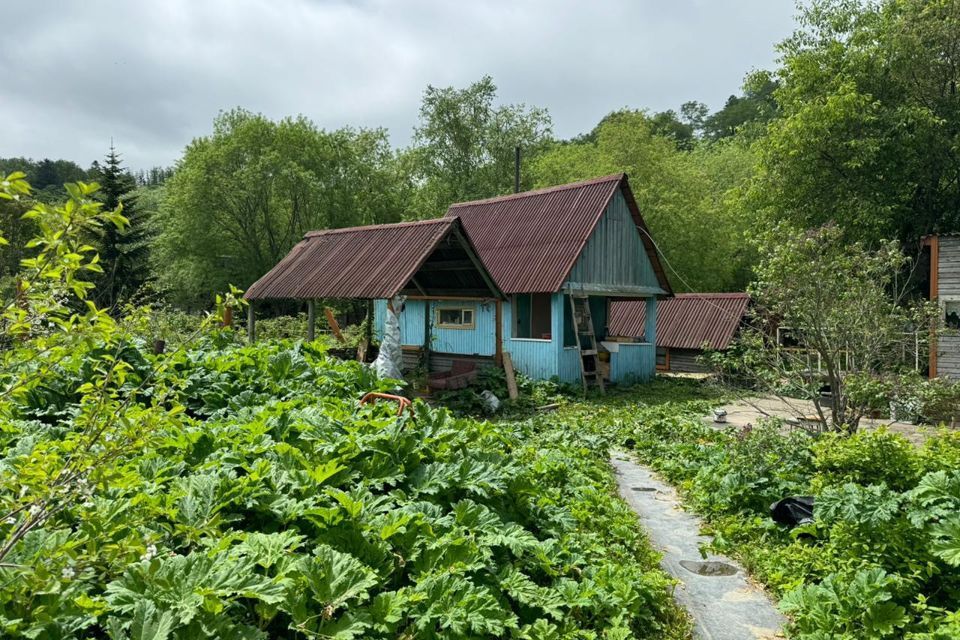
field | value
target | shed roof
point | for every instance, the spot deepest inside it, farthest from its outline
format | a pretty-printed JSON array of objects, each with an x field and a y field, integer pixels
[
  {"x": 376, "y": 261},
  {"x": 686, "y": 321},
  {"x": 530, "y": 241}
]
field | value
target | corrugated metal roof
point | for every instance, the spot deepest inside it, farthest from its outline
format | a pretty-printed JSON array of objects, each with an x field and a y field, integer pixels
[
  {"x": 358, "y": 262},
  {"x": 530, "y": 241},
  {"x": 686, "y": 321}
]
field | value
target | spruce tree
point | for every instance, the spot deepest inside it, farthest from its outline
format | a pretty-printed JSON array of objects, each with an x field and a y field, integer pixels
[{"x": 123, "y": 252}]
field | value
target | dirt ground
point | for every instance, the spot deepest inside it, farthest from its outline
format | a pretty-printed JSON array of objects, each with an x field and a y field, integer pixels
[{"x": 749, "y": 410}]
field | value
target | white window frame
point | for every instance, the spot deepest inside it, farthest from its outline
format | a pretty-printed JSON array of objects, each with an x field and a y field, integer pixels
[{"x": 472, "y": 324}]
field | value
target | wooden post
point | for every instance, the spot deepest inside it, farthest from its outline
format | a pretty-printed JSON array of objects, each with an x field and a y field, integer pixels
[
  {"x": 227, "y": 320},
  {"x": 311, "y": 319},
  {"x": 511, "y": 376},
  {"x": 426, "y": 336},
  {"x": 934, "y": 296},
  {"x": 498, "y": 353},
  {"x": 251, "y": 323}
]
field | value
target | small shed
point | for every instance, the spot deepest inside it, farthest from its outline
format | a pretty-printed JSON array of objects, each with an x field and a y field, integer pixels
[
  {"x": 945, "y": 289},
  {"x": 686, "y": 324}
]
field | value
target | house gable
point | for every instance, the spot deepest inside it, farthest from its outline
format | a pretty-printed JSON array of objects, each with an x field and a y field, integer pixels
[{"x": 614, "y": 259}]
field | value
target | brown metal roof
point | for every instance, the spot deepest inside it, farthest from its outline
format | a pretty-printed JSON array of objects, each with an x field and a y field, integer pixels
[
  {"x": 530, "y": 241},
  {"x": 372, "y": 262},
  {"x": 686, "y": 321}
]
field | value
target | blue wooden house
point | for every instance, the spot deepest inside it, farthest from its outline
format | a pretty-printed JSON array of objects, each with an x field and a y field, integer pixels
[
  {"x": 515, "y": 274},
  {"x": 544, "y": 249}
]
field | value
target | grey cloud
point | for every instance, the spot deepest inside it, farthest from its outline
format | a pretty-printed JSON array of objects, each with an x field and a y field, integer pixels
[{"x": 153, "y": 75}]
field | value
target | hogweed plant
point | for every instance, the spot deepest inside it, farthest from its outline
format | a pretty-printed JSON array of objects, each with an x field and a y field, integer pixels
[{"x": 46, "y": 320}]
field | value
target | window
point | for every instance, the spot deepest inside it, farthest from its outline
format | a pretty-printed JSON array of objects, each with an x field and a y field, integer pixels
[
  {"x": 455, "y": 317},
  {"x": 951, "y": 313},
  {"x": 532, "y": 316}
]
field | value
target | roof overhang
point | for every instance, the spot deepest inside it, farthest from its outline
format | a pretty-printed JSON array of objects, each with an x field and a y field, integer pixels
[{"x": 429, "y": 258}]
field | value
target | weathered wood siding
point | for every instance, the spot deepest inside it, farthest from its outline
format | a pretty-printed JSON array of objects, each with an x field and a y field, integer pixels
[
  {"x": 948, "y": 346},
  {"x": 614, "y": 256},
  {"x": 686, "y": 361}
]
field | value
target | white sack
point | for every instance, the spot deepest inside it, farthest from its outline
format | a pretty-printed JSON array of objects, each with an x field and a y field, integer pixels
[{"x": 390, "y": 359}]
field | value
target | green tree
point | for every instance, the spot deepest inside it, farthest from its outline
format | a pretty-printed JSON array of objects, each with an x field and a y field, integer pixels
[
  {"x": 46, "y": 176},
  {"x": 124, "y": 252},
  {"x": 464, "y": 145},
  {"x": 870, "y": 131},
  {"x": 747, "y": 114},
  {"x": 688, "y": 199},
  {"x": 827, "y": 314},
  {"x": 242, "y": 197}
]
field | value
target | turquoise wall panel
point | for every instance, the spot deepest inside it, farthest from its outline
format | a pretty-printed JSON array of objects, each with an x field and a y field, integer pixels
[
  {"x": 633, "y": 362},
  {"x": 614, "y": 255},
  {"x": 481, "y": 340},
  {"x": 533, "y": 358},
  {"x": 569, "y": 365}
]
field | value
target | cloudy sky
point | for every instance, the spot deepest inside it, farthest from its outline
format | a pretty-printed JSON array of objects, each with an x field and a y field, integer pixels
[{"x": 153, "y": 75}]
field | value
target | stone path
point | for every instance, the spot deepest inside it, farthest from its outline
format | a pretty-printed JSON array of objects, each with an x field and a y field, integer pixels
[{"x": 723, "y": 604}]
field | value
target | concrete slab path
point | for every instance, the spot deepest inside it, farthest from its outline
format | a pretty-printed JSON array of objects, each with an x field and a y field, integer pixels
[{"x": 722, "y": 603}]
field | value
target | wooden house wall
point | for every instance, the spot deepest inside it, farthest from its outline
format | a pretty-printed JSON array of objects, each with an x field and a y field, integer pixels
[
  {"x": 614, "y": 256},
  {"x": 686, "y": 361},
  {"x": 948, "y": 346},
  {"x": 480, "y": 340}
]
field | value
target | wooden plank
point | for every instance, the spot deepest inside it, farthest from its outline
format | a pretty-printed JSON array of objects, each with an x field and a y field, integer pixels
[
  {"x": 334, "y": 325},
  {"x": 311, "y": 320},
  {"x": 251, "y": 323},
  {"x": 498, "y": 318},
  {"x": 934, "y": 293},
  {"x": 511, "y": 376}
]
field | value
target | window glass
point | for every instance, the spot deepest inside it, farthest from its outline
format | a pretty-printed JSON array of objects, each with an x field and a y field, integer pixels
[
  {"x": 532, "y": 316},
  {"x": 951, "y": 314},
  {"x": 455, "y": 317}
]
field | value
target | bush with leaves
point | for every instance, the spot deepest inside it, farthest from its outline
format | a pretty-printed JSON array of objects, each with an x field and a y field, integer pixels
[
  {"x": 882, "y": 558},
  {"x": 222, "y": 490}
]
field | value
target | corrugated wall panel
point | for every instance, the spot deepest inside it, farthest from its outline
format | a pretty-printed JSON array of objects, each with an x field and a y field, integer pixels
[
  {"x": 568, "y": 368},
  {"x": 533, "y": 358},
  {"x": 633, "y": 363},
  {"x": 481, "y": 340},
  {"x": 614, "y": 254}
]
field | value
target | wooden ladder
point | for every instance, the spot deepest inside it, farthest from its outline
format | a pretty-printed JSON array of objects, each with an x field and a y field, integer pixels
[{"x": 586, "y": 343}]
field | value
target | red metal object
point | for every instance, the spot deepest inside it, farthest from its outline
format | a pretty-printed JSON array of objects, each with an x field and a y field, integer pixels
[
  {"x": 686, "y": 321},
  {"x": 530, "y": 241},
  {"x": 370, "y": 262},
  {"x": 400, "y": 400}
]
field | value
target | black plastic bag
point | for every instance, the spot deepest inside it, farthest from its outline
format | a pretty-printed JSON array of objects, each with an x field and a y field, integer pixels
[{"x": 793, "y": 510}]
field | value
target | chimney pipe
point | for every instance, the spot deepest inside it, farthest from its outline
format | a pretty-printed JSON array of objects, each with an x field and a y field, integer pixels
[{"x": 516, "y": 169}]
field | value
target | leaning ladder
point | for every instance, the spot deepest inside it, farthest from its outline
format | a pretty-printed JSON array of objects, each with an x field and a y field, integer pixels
[{"x": 586, "y": 343}]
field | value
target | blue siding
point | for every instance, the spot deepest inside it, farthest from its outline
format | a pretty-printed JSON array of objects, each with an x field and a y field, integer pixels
[
  {"x": 481, "y": 340},
  {"x": 569, "y": 366},
  {"x": 533, "y": 358},
  {"x": 633, "y": 362},
  {"x": 614, "y": 256}
]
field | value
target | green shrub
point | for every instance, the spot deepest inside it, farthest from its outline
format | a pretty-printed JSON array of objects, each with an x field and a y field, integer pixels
[{"x": 867, "y": 457}]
